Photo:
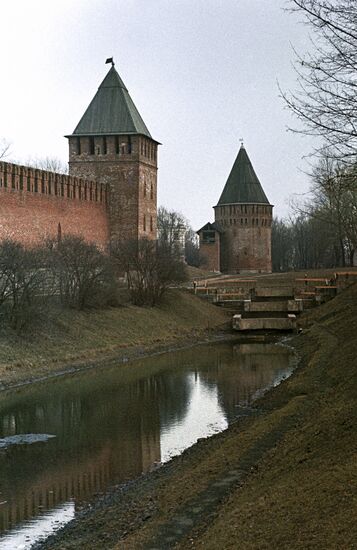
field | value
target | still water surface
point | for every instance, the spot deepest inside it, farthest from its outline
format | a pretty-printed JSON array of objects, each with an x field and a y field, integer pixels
[{"x": 113, "y": 424}]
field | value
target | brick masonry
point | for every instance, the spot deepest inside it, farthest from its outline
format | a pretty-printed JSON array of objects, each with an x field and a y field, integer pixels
[
  {"x": 210, "y": 253},
  {"x": 110, "y": 194},
  {"x": 245, "y": 237},
  {"x": 127, "y": 166},
  {"x": 34, "y": 202}
]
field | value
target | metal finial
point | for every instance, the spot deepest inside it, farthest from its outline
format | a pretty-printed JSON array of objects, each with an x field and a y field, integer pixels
[{"x": 241, "y": 143}]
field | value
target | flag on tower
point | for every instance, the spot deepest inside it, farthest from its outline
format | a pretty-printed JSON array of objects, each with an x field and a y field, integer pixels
[{"x": 110, "y": 60}]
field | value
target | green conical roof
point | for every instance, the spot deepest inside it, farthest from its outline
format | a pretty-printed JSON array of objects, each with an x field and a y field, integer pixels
[
  {"x": 242, "y": 185},
  {"x": 111, "y": 111}
]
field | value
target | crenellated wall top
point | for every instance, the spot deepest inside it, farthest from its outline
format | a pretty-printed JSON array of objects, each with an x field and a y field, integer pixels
[{"x": 26, "y": 179}]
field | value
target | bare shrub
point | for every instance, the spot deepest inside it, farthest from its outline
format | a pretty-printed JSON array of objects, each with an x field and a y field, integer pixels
[
  {"x": 150, "y": 268},
  {"x": 85, "y": 275},
  {"x": 22, "y": 281}
]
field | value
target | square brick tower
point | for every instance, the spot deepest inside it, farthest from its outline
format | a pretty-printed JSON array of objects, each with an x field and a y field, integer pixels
[{"x": 112, "y": 145}]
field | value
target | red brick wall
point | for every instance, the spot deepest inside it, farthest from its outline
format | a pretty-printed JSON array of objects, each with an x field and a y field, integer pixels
[
  {"x": 246, "y": 237},
  {"x": 210, "y": 254},
  {"x": 32, "y": 216},
  {"x": 147, "y": 211}
]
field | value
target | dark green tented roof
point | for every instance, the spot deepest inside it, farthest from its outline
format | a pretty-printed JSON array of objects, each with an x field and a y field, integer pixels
[
  {"x": 209, "y": 227},
  {"x": 111, "y": 111},
  {"x": 242, "y": 185}
]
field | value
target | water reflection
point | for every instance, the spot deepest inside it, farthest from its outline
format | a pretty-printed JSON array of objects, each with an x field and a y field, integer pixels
[{"x": 111, "y": 425}]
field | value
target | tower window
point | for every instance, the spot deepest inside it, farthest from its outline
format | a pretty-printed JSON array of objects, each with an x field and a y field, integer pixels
[
  {"x": 144, "y": 188},
  {"x": 122, "y": 149},
  {"x": 78, "y": 145},
  {"x": 117, "y": 145},
  {"x": 208, "y": 237},
  {"x": 91, "y": 146},
  {"x": 152, "y": 191},
  {"x": 129, "y": 145},
  {"x": 144, "y": 223},
  {"x": 151, "y": 224},
  {"x": 104, "y": 145}
]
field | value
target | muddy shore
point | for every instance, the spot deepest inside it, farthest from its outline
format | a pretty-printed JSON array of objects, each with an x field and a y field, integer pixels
[{"x": 284, "y": 476}]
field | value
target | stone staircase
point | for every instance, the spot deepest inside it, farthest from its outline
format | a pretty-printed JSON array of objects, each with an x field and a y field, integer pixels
[
  {"x": 268, "y": 309},
  {"x": 255, "y": 307}
]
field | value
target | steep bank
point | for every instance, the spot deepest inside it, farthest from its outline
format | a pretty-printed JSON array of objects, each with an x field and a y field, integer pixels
[
  {"x": 73, "y": 338},
  {"x": 285, "y": 478}
]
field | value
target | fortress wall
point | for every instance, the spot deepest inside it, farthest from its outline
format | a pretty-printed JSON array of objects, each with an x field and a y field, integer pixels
[{"x": 34, "y": 202}]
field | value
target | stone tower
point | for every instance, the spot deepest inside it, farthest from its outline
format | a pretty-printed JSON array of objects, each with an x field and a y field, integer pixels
[
  {"x": 112, "y": 145},
  {"x": 240, "y": 238},
  {"x": 243, "y": 215}
]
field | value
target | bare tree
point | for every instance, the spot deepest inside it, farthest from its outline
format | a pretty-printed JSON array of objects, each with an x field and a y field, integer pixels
[
  {"x": 22, "y": 282},
  {"x": 282, "y": 245},
  {"x": 4, "y": 148},
  {"x": 85, "y": 275},
  {"x": 326, "y": 99},
  {"x": 150, "y": 268},
  {"x": 333, "y": 202},
  {"x": 171, "y": 228},
  {"x": 50, "y": 164},
  {"x": 175, "y": 231}
]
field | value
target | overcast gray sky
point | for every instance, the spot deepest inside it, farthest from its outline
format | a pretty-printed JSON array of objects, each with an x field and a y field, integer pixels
[{"x": 203, "y": 74}]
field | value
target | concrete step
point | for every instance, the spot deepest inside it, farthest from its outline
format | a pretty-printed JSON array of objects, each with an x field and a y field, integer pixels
[
  {"x": 274, "y": 292},
  {"x": 273, "y": 306},
  {"x": 264, "y": 323}
]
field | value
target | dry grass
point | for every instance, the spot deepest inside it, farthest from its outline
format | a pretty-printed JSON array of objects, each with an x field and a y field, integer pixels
[
  {"x": 75, "y": 336},
  {"x": 303, "y": 494}
]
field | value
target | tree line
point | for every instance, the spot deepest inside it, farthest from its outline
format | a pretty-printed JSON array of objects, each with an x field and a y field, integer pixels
[{"x": 323, "y": 229}]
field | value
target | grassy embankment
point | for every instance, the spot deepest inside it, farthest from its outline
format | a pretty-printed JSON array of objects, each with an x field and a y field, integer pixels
[
  {"x": 297, "y": 460},
  {"x": 79, "y": 337},
  {"x": 303, "y": 493}
]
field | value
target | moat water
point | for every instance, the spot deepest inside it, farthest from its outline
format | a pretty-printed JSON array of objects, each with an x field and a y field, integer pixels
[{"x": 110, "y": 425}]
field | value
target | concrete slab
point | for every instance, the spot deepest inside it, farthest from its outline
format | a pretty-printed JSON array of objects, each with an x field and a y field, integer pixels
[
  {"x": 274, "y": 292},
  {"x": 264, "y": 323},
  {"x": 283, "y": 306}
]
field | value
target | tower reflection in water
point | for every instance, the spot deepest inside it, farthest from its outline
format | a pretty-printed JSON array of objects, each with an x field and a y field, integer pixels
[{"x": 114, "y": 424}]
